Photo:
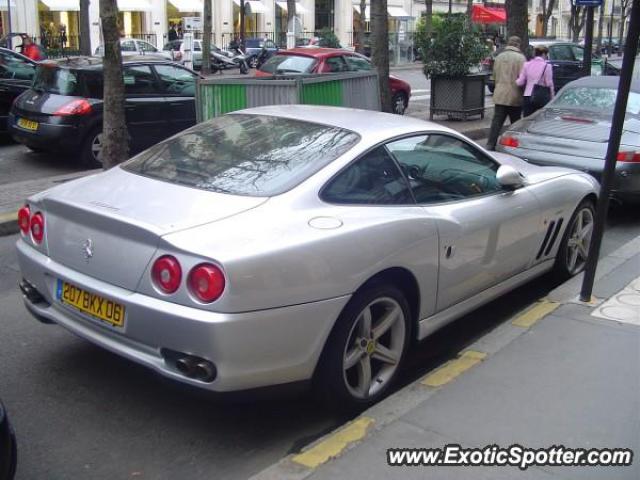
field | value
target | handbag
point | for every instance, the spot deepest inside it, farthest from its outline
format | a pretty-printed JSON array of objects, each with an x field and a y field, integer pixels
[{"x": 541, "y": 94}]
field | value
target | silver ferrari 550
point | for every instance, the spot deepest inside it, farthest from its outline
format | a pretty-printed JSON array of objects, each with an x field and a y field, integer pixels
[
  {"x": 573, "y": 131},
  {"x": 283, "y": 244}
]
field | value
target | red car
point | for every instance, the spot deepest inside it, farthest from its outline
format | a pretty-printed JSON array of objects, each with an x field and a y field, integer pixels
[{"x": 331, "y": 60}]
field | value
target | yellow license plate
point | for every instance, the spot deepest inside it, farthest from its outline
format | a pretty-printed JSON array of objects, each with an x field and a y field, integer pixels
[
  {"x": 27, "y": 124},
  {"x": 90, "y": 303}
]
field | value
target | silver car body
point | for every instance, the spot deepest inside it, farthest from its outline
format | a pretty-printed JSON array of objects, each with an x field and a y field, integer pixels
[
  {"x": 578, "y": 138},
  {"x": 291, "y": 261}
]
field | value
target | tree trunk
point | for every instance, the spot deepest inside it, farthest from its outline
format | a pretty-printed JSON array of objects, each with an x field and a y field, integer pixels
[
  {"x": 291, "y": 16},
  {"x": 361, "y": 27},
  {"x": 85, "y": 28},
  {"x": 576, "y": 21},
  {"x": 242, "y": 23},
  {"x": 115, "y": 137},
  {"x": 623, "y": 16},
  {"x": 380, "y": 49},
  {"x": 518, "y": 21},
  {"x": 428, "y": 21},
  {"x": 600, "y": 29},
  {"x": 547, "y": 11},
  {"x": 206, "y": 38},
  {"x": 469, "y": 9}
]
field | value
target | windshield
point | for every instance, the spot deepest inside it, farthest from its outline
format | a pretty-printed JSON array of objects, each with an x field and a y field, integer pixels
[
  {"x": 242, "y": 154},
  {"x": 289, "y": 64},
  {"x": 599, "y": 98},
  {"x": 51, "y": 79}
]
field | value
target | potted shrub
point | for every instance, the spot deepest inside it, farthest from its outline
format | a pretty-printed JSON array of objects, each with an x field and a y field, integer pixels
[{"x": 453, "y": 52}]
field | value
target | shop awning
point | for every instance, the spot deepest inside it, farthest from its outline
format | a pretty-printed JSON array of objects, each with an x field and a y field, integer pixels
[
  {"x": 481, "y": 14},
  {"x": 299, "y": 8},
  {"x": 187, "y": 5},
  {"x": 395, "y": 12},
  {"x": 255, "y": 6},
  {"x": 62, "y": 5},
  {"x": 134, "y": 6}
]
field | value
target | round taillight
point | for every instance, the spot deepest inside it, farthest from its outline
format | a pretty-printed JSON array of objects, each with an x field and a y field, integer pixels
[
  {"x": 37, "y": 227},
  {"x": 24, "y": 219},
  {"x": 166, "y": 273},
  {"x": 206, "y": 282}
]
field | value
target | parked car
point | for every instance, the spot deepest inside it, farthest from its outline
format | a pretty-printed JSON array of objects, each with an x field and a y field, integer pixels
[
  {"x": 573, "y": 131},
  {"x": 62, "y": 111},
  {"x": 566, "y": 59},
  {"x": 8, "y": 447},
  {"x": 176, "y": 49},
  {"x": 17, "y": 40},
  {"x": 16, "y": 75},
  {"x": 331, "y": 60},
  {"x": 253, "y": 47},
  {"x": 295, "y": 243},
  {"x": 132, "y": 47}
]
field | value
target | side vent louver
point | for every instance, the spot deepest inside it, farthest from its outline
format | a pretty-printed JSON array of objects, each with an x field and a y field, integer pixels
[
  {"x": 546, "y": 239},
  {"x": 554, "y": 237}
]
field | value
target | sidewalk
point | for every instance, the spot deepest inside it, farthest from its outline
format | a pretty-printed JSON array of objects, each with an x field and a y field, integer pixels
[
  {"x": 13, "y": 195},
  {"x": 561, "y": 373}
]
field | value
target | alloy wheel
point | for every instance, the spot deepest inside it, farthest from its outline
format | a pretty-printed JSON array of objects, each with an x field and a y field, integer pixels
[
  {"x": 579, "y": 241},
  {"x": 374, "y": 348}
]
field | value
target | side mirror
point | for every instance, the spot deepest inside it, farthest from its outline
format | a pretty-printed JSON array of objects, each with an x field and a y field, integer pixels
[{"x": 509, "y": 178}]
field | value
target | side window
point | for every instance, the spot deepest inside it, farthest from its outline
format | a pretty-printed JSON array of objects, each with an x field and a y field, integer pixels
[
  {"x": 176, "y": 80},
  {"x": 373, "y": 179},
  {"x": 357, "y": 63},
  {"x": 335, "y": 64},
  {"x": 139, "y": 80},
  {"x": 147, "y": 47},
  {"x": 128, "y": 46},
  {"x": 15, "y": 68},
  {"x": 561, "y": 53},
  {"x": 441, "y": 168}
]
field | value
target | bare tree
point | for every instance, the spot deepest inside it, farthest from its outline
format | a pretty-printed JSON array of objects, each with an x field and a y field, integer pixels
[
  {"x": 600, "y": 28},
  {"x": 361, "y": 27},
  {"x": 115, "y": 137},
  {"x": 291, "y": 16},
  {"x": 547, "y": 10},
  {"x": 518, "y": 21},
  {"x": 206, "y": 38},
  {"x": 624, "y": 13},
  {"x": 380, "y": 49},
  {"x": 577, "y": 20},
  {"x": 85, "y": 34}
]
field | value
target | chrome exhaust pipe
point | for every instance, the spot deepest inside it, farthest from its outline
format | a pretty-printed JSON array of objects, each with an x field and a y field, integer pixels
[
  {"x": 186, "y": 366},
  {"x": 205, "y": 371}
]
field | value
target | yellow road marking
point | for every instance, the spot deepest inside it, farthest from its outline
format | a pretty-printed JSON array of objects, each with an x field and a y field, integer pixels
[
  {"x": 531, "y": 316},
  {"x": 8, "y": 217},
  {"x": 335, "y": 443},
  {"x": 454, "y": 368}
]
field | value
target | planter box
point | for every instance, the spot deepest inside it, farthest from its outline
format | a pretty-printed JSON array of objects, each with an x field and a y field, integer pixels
[{"x": 457, "y": 97}]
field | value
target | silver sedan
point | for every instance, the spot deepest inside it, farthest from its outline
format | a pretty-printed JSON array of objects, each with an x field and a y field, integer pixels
[
  {"x": 573, "y": 131},
  {"x": 295, "y": 243}
]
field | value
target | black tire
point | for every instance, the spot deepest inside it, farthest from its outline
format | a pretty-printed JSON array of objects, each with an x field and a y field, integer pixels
[
  {"x": 87, "y": 157},
  {"x": 253, "y": 61},
  {"x": 244, "y": 68},
  {"x": 399, "y": 103},
  {"x": 331, "y": 381},
  {"x": 563, "y": 268}
]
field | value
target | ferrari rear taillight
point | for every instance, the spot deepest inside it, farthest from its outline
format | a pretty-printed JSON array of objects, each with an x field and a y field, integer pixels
[
  {"x": 628, "y": 157},
  {"x": 166, "y": 274},
  {"x": 508, "y": 141},
  {"x": 206, "y": 282},
  {"x": 24, "y": 219},
  {"x": 75, "y": 107},
  {"x": 37, "y": 227}
]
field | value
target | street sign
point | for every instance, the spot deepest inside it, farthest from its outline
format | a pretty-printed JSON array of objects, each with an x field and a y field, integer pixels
[{"x": 589, "y": 3}]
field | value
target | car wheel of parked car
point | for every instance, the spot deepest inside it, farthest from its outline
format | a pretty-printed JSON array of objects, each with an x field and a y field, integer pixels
[
  {"x": 399, "y": 103},
  {"x": 365, "y": 349},
  {"x": 572, "y": 254},
  {"x": 91, "y": 155}
]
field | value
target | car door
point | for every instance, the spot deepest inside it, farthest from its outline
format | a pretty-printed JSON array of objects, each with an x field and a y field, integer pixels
[
  {"x": 565, "y": 65},
  {"x": 179, "y": 88},
  {"x": 145, "y": 106},
  {"x": 487, "y": 234},
  {"x": 16, "y": 75}
]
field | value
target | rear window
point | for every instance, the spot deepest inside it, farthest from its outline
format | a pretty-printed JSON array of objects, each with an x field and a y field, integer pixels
[
  {"x": 289, "y": 64},
  {"x": 240, "y": 154},
  {"x": 64, "y": 81},
  {"x": 595, "y": 98}
]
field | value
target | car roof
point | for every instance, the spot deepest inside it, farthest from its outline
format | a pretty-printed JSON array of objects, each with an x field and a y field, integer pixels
[
  {"x": 363, "y": 122},
  {"x": 603, "y": 81},
  {"x": 546, "y": 43},
  {"x": 315, "y": 52},
  {"x": 95, "y": 63}
]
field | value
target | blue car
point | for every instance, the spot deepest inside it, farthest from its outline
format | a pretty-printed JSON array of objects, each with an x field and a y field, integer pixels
[{"x": 254, "y": 46}]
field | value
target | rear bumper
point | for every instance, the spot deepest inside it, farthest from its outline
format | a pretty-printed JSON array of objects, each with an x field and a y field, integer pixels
[
  {"x": 626, "y": 182},
  {"x": 62, "y": 137},
  {"x": 249, "y": 350}
]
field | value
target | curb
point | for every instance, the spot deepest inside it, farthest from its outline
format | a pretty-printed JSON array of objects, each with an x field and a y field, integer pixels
[{"x": 346, "y": 437}]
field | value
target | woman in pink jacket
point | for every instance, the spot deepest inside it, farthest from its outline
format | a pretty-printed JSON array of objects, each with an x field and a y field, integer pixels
[{"x": 535, "y": 71}]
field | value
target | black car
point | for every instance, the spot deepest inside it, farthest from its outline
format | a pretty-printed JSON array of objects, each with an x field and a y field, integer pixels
[
  {"x": 566, "y": 59},
  {"x": 16, "y": 75},
  {"x": 62, "y": 111},
  {"x": 253, "y": 47},
  {"x": 8, "y": 449}
]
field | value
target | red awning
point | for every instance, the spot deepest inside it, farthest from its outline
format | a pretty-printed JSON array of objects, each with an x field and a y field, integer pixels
[{"x": 480, "y": 14}]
